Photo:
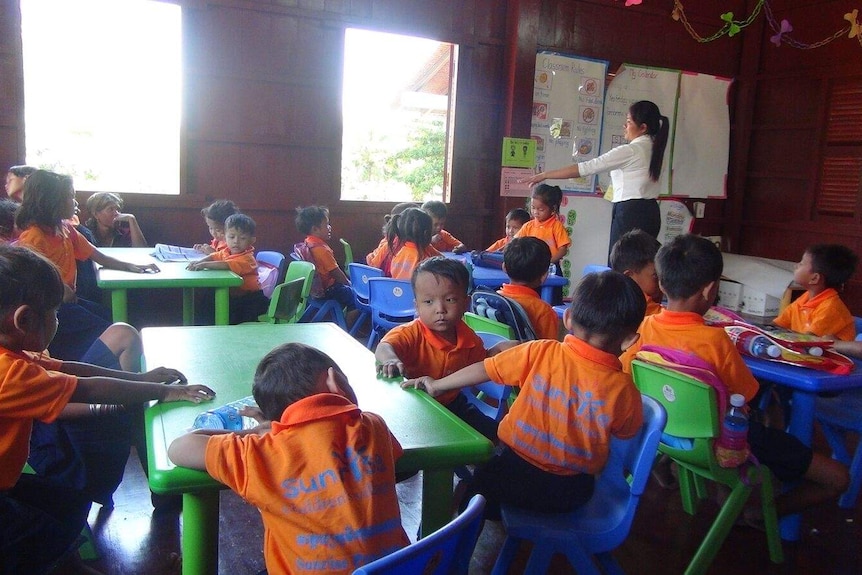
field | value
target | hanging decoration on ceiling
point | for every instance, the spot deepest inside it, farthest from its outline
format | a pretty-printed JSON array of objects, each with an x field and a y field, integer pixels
[{"x": 731, "y": 26}]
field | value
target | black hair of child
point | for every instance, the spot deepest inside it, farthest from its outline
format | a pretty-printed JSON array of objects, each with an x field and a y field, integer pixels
[
  {"x": 608, "y": 303},
  {"x": 519, "y": 215},
  {"x": 21, "y": 171},
  {"x": 27, "y": 278},
  {"x": 436, "y": 209},
  {"x": 551, "y": 196},
  {"x": 526, "y": 259},
  {"x": 310, "y": 217},
  {"x": 443, "y": 267},
  {"x": 241, "y": 222},
  {"x": 288, "y": 373},
  {"x": 8, "y": 208},
  {"x": 836, "y": 263},
  {"x": 633, "y": 251},
  {"x": 686, "y": 264},
  {"x": 45, "y": 197},
  {"x": 411, "y": 225},
  {"x": 220, "y": 210}
]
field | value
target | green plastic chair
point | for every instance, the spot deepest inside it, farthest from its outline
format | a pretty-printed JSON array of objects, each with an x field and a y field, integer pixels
[
  {"x": 693, "y": 424},
  {"x": 348, "y": 253},
  {"x": 487, "y": 325},
  {"x": 286, "y": 300},
  {"x": 296, "y": 270}
]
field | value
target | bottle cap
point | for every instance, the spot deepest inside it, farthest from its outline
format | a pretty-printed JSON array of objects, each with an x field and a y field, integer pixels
[
  {"x": 737, "y": 400},
  {"x": 774, "y": 351},
  {"x": 815, "y": 351}
]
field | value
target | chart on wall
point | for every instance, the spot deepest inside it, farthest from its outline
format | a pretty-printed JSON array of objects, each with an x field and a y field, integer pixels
[{"x": 568, "y": 99}]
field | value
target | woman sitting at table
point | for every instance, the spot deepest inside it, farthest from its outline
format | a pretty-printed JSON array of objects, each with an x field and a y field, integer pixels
[{"x": 110, "y": 226}]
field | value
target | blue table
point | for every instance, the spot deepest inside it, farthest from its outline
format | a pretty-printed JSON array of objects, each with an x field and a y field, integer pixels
[
  {"x": 806, "y": 384},
  {"x": 494, "y": 278}
]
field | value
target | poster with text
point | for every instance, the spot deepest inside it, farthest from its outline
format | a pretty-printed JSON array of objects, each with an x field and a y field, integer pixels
[
  {"x": 631, "y": 84},
  {"x": 568, "y": 96}
]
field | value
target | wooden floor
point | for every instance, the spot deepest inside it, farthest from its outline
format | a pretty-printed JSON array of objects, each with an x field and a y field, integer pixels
[{"x": 132, "y": 539}]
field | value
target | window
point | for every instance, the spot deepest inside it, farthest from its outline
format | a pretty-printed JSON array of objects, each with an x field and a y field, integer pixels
[
  {"x": 102, "y": 92},
  {"x": 398, "y": 108}
]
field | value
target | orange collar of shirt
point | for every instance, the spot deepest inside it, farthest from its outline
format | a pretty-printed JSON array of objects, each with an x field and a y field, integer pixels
[
  {"x": 313, "y": 408},
  {"x": 314, "y": 241},
  {"x": 818, "y": 299},
  {"x": 461, "y": 330},
  {"x": 516, "y": 290},
  {"x": 585, "y": 350},
  {"x": 669, "y": 317}
]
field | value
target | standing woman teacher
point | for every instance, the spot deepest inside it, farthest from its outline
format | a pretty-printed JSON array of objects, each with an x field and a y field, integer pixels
[{"x": 635, "y": 168}]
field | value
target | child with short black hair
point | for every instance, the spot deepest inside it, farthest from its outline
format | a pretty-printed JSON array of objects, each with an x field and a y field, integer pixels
[
  {"x": 634, "y": 255},
  {"x": 247, "y": 301},
  {"x": 515, "y": 220},
  {"x": 545, "y": 203},
  {"x": 689, "y": 269},
  {"x": 441, "y": 240},
  {"x": 41, "y": 519},
  {"x": 573, "y": 398},
  {"x": 409, "y": 237},
  {"x": 526, "y": 262},
  {"x": 438, "y": 342},
  {"x": 319, "y": 438},
  {"x": 313, "y": 221},
  {"x": 824, "y": 269},
  {"x": 215, "y": 215}
]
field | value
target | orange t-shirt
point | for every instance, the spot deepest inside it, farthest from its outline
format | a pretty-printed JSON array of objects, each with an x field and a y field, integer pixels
[
  {"x": 218, "y": 245},
  {"x": 446, "y": 242},
  {"x": 572, "y": 399},
  {"x": 407, "y": 258},
  {"x": 423, "y": 352},
  {"x": 375, "y": 258},
  {"x": 545, "y": 322},
  {"x": 551, "y": 231},
  {"x": 63, "y": 248},
  {"x": 687, "y": 331},
  {"x": 31, "y": 388},
  {"x": 242, "y": 264},
  {"x": 324, "y": 260},
  {"x": 498, "y": 245},
  {"x": 652, "y": 307},
  {"x": 824, "y": 314},
  {"x": 324, "y": 481}
]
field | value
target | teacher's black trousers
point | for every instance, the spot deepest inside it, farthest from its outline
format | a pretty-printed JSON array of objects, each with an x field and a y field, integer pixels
[{"x": 634, "y": 215}]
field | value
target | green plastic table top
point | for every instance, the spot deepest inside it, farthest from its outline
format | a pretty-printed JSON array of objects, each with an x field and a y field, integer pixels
[
  {"x": 225, "y": 357},
  {"x": 172, "y": 274}
]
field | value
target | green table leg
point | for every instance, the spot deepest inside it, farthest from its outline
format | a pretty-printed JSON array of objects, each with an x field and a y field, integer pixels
[
  {"x": 200, "y": 532},
  {"x": 188, "y": 306},
  {"x": 120, "y": 305},
  {"x": 222, "y": 306},
  {"x": 436, "y": 499}
]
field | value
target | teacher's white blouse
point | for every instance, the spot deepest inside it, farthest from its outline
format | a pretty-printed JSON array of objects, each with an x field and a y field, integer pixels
[{"x": 629, "y": 168}]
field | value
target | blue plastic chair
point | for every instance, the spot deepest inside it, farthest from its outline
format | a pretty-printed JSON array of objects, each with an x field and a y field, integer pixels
[
  {"x": 476, "y": 394},
  {"x": 359, "y": 275},
  {"x": 603, "y": 522},
  {"x": 391, "y": 304},
  {"x": 857, "y": 322},
  {"x": 837, "y": 415},
  {"x": 447, "y": 551},
  {"x": 320, "y": 309},
  {"x": 595, "y": 269}
]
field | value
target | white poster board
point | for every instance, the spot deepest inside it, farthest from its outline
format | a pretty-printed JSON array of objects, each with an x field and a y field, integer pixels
[
  {"x": 588, "y": 221},
  {"x": 702, "y": 140},
  {"x": 632, "y": 84},
  {"x": 568, "y": 97}
]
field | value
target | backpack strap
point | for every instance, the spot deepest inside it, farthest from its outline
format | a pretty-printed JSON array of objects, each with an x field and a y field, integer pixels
[{"x": 505, "y": 310}]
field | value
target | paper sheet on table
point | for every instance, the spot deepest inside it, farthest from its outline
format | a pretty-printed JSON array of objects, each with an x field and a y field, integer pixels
[
  {"x": 167, "y": 253},
  {"x": 762, "y": 274}
]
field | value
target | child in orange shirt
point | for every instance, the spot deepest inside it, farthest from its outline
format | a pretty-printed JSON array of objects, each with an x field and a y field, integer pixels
[
  {"x": 824, "y": 269},
  {"x": 381, "y": 257},
  {"x": 573, "y": 398},
  {"x": 515, "y": 220},
  {"x": 634, "y": 255},
  {"x": 409, "y": 234},
  {"x": 689, "y": 269},
  {"x": 215, "y": 215},
  {"x": 321, "y": 471},
  {"x": 441, "y": 240},
  {"x": 313, "y": 221},
  {"x": 439, "y": 342},
  {"x": 41, "y": 517},
  {"x": 546, "y": 225},
  {"x": 526, "y": 262},
  {"x": 247, "y": 301}
]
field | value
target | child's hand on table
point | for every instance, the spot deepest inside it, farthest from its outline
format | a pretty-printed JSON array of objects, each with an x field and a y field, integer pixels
[
  {"x": 424, "y": 382},
  {"x": 193, "y": 393},
  {"x": 165, "y": 375},
  {"x": 390, "y": 368}
]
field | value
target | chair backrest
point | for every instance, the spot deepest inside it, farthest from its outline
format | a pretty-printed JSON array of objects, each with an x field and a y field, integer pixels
[
  {"x": 359, "y": 275},
  {"x": 391, "y": 302},
  {"x": 286, "y": 301},
  {"x": 444, "y": 552},
  {"x": 857, "y": 323},
  {"x": 594, "y": 269},
  {"x": 304, "y": 270},
  {"x": 478, "y": 394},
  {"x": 348, "y": 253},
  {"x": 504, "y": 310},
  {"x": 270, "y": 270},
  {"x": 302, "y": 251},
  {"x": 481, "y": 324}
]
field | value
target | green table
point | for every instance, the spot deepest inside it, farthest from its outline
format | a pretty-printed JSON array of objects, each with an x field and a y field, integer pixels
[
  {"x": 225, "y": 357},
  {"x": 172, "y": 275}
]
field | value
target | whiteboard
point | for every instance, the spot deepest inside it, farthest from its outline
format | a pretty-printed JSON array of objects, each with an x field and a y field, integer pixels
[
  {"x": 631, "y": 84},
  {"x": 588, "y": 221},
  {"x": 702, "y": 140},
  {"x": 568, "y": 97}
]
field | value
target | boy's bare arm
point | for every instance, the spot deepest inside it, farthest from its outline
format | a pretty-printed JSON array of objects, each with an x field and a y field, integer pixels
[
  {"x": 465, "y": 377},
  {"x": 113, "y": 390},
  {"x": 189, "y": 450},
  {"x": 388, "y": 362},
  {"x": 157, "y": 375}
]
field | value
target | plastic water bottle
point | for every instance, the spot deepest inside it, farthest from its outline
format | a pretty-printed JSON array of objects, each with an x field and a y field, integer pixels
[
  {"x": 226, "y": 417},
  {"x": 754, "y": 344},
  {"x": 732, "y": 445}
]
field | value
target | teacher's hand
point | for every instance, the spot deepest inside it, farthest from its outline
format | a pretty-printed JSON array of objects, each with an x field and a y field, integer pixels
[{"x": 533, "y": 180}]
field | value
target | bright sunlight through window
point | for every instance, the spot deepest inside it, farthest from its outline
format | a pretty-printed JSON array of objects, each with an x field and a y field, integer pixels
[
  {"x": 398, "y": 109},
  {"x": 102, "y": 92}
]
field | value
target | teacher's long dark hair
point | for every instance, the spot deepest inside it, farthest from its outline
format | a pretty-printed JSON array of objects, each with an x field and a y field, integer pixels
[{"x": 647, "y": 113}]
